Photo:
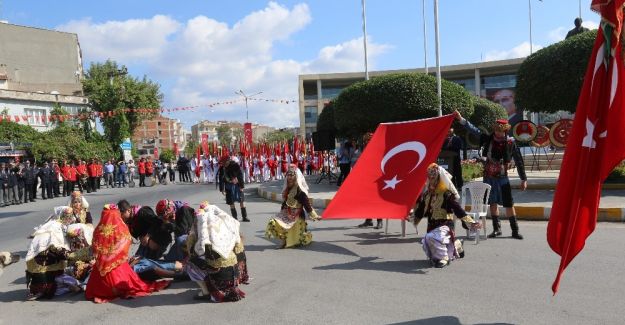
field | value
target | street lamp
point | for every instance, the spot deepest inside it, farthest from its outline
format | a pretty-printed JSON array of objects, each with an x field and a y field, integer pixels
[{"x": 246, "y": 97}]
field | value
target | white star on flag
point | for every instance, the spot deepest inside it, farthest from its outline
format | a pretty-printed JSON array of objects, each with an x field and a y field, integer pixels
[{"x": 391, "y": 183}]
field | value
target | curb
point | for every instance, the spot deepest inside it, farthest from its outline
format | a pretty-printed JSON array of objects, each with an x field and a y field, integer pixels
[{"x": 532, "y": 213}]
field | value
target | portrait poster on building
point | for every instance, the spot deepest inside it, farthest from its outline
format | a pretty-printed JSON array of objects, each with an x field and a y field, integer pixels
[{"x": 505, "y": 98}]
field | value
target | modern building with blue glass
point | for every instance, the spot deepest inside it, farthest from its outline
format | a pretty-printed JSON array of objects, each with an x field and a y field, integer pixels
[{"x": 494, "y": 80}]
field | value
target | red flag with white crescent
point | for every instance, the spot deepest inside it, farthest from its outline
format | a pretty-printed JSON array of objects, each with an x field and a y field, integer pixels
[
  {"x": 391, "y": 170},
  {"x": 596, "y": 144}
]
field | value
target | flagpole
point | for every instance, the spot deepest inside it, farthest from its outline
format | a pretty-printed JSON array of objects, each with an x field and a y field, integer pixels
[
  {"x": 529, "y": 3},
  {"x": 438, "y": 63},
  {"x": 425, "y": 40},
  {"x": 364, "y": 32}
]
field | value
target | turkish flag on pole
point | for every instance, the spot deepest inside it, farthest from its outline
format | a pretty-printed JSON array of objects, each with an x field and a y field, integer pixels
[
  {"x": 391, "y": 171},
  {"x": 596, "y": 144},
  {"x": 198, "y": 160}
]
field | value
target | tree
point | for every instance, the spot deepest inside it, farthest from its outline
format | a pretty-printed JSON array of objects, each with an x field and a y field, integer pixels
[
  {"x": 224, "y": 135},
  {"x": 395, "y": 97},
  {"x": 484, "y": 116},
  {"x": 190, "y": 149},
  {"x": 278, "y": 136},
  {"x": 69, "y": 142},
  {"x": 325, "y": 122},
  {"x": 550, "y": 79},
  {"x": 167, "y": 155},
  {"x": 18, "y": 133},
  {"x": 110, "y": 89}
]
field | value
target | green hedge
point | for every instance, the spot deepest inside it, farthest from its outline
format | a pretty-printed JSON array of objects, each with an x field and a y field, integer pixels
[
  {"x": 395, "y": 97},
  {"x": 550, "y": 79}
]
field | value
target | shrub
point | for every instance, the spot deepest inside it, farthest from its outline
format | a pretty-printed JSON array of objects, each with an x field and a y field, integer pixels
[{"x": 395, "y": 97}]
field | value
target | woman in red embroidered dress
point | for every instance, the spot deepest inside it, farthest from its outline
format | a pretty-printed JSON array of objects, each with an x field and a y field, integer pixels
[{"x": 112, "y": 277}]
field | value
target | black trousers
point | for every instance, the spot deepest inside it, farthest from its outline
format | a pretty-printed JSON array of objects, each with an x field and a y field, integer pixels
[
  {"x": 55, "y": 188},
  {"x": 345, "y": 168},
  {"x": 46, "y": 190},
  {"x": 29, "y": 193},
  {"x": 92, "y": 183},
  {"x": 141, "y": 180}
]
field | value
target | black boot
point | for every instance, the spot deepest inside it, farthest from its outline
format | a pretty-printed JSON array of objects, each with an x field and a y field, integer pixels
[
  {"x": 244, "y": 215},
  {"x": 233, "y": 212},
  {"x": 379, "y": 224},
  {"x": 367, "y": 223},
  {"x": 496, "y": 227},
  {"x": 515, "y": 228}
]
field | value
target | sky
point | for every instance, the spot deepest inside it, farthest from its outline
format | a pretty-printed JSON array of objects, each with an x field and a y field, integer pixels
[{"x": 201, "y": 52}]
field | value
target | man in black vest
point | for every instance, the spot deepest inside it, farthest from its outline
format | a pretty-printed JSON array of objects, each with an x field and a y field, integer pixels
[
  {"x": 45, "y": 175},
  {"x": 28, "y": 175}
]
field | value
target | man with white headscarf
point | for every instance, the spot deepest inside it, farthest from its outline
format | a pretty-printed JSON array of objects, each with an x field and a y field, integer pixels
[
  {"x": 439, "y": 203},
  {"x": 290, "y": 225}
]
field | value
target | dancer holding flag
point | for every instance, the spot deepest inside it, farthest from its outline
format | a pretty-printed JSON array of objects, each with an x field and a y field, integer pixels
[
  {"x": 498, "y": 150},
  {"x": 597, "y": 141}
]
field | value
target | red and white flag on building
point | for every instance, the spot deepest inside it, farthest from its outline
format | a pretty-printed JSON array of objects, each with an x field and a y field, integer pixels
[
  {"x": 596, "y": 144},
  {"x": 391, "y": 171}
]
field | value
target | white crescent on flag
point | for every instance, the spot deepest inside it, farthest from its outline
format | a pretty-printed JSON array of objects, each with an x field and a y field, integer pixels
[{"x": 415, "y": 146}]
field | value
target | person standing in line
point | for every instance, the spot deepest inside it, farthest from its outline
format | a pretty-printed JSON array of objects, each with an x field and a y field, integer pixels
[
  {"x": 498, "y": 150},
  {"x": 141, "y": 169},
  {"x": 121, "y": 174},
  {"x": 45, "y": 175},
  {"x": 4, "y": 186},
  {"x": 28, "y": 178},
  {"x": 14, "y": 196},
  {"x": 131, "y": 172},
  {"x": 149, "y": 171},
  {"x": 100, "y": 169},
  {"x": 56, "y": 174},
  {"x": 92, "y": 171}
]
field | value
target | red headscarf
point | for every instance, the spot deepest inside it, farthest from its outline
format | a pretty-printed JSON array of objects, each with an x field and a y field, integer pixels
[{"x": 111, "y": 241}]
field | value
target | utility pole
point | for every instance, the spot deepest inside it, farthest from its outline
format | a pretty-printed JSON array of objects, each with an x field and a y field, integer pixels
[{"x": 246, "y": 97}]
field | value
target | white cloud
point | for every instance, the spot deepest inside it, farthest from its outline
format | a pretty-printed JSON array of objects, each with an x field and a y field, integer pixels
[
  {"x": 130, "y": 40},
  {"x": 204, "y": 60},
  {"x": 519, "y": 51}
]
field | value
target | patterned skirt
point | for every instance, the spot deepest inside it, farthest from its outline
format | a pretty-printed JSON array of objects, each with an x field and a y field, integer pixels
[{"x": 294, "y": 233}]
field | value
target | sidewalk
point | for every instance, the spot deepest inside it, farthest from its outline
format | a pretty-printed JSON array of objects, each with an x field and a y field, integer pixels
[{"x": 532, "y": 204}]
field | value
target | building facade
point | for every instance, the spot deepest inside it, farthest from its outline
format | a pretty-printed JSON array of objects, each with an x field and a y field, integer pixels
[
  {"x": 39, "y": 69},
  {"x": 494, "y": 80},
  {"x": 161, "y": 133},
  {"x": 210, "y": 128}
]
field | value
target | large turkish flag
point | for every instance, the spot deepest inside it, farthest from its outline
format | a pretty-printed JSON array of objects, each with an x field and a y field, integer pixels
[
  {"x": 390, "y": 173},
  {"x": 596, "y": 144}
]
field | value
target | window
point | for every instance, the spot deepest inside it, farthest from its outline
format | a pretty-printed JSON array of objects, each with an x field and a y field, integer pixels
[
  {"x": 35, "y": 116},
  {"x": 330, "y": 92},
  {"x": 310, "y": 114},
  {"x": 468, "y": 84},
  {"x": 159, "y": 123},
  {"x": 160, "y": 140}
]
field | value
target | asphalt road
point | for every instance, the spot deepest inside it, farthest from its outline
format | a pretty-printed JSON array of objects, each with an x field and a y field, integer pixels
[{"x": 347, "y": 276}]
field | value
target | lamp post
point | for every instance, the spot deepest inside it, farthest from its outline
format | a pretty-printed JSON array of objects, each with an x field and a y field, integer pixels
[{"x": 246, "y": 97}]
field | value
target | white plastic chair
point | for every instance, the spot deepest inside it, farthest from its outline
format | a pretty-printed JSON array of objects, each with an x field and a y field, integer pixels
[{"x": 478, "y": 193}]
